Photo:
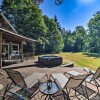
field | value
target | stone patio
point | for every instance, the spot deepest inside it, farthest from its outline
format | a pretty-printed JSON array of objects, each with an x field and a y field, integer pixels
[{"x": 29, "y": 67}]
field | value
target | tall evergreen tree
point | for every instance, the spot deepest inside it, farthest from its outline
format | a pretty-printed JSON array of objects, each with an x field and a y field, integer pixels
[
  {"x": 79, "y": 38},
  {"x": 27, "y": 19},
  {"x": 54, "y": 37},
  {"x": 94, "y": 33},
  {"x": 58, "y": 23}
]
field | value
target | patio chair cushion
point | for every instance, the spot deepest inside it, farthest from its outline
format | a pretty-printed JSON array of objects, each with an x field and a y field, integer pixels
[
  {"x": 61, "y": 79},
  {"x": 33, "y": 79},
  {"x": 14, "y": 89}
]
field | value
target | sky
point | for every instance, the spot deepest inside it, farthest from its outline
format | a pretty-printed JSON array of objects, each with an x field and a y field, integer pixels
[{"x": 71, "y": 13}]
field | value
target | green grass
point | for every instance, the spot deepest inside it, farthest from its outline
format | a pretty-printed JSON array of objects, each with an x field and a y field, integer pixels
[{"x": 82, "y": 59}]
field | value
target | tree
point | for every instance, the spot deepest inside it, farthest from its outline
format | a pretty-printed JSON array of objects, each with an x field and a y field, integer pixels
[
  {"x": 58, "y": 23},
  {"x": 79, "y": 38},
  {"x": 94, "y": 33},
  {"x": 58, "y": 2},
  {"x": 68, "y": 40},
  {"x": 38, "y": 2},
  {"x": 27, "y": 19},
  {"x": 54, "y": 37}
]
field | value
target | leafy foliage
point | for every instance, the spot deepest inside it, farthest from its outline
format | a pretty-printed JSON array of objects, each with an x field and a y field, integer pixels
[
  {"x": 94, "y": 33},
  {"x": 55, "y": 40},
  {"x": 27, "y": 19},
  {"x": 58, "y": 23}
]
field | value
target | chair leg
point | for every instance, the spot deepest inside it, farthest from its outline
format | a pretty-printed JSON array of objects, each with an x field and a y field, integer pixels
[
  {"x": 76, "y": 94},
  {"x": 6, "y": 89}
]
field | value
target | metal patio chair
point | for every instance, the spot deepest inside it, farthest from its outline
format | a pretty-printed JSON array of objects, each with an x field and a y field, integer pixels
[
  {"x": 8, "y": 95},
  {"x": 96, "y": 74},
  {"x": 60, "y": 94},
  {"x": 29, "y": 85},
  {"x": 95, "y": 78},
  {"x": 74, "y": 83}
]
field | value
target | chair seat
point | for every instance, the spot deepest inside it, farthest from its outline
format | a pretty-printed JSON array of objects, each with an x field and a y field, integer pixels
[
  {"x": 14, "y": 89},
  {"x": 61, "y": 79},
  {"x": 85, "y": 91},
  {"x": 33, "y": 79}
]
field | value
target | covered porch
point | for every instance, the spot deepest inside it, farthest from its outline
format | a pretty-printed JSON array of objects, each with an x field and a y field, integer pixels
[{"x": 12, "y": 43}]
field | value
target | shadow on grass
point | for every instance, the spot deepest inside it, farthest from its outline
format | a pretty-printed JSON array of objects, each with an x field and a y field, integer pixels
[{"x": 96, "y": 55}]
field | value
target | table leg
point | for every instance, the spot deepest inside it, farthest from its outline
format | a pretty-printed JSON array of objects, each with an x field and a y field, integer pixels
[
  {"x": 46, "y": 97},
  {"x": 50, "y": 97}
]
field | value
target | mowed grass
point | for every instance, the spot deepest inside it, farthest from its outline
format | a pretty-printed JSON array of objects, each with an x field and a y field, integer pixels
[{"x": 82, "y": 59}]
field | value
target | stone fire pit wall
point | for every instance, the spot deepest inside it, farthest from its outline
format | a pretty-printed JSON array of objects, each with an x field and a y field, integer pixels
[{"x": 50, "y": 60}]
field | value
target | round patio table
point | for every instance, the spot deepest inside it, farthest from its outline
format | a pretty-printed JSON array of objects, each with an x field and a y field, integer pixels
[{"x": 48, "y": 90}]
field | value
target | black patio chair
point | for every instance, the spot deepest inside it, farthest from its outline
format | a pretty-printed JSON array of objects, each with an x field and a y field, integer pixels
[
  {"x": 8, "y": 95},
  {"x": 95, "y": 79},
  {"x": 60, "y": 94},
  {"x": 74, "y": 83},
  {"x": 28, "y": 85}
]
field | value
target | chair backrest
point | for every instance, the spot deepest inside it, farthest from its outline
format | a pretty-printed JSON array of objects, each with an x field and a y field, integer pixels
[
  {"x": 97, "y": 74},
  {"x": 16, "y": 78},
  {"x": 75, "y": 81}
]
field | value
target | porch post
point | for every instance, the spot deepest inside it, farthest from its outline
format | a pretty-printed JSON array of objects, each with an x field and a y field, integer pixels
[
  {"x": 0, "y": 49},
  {"x": 33, "y": 46},
  {"x": 22, "y": 57}
]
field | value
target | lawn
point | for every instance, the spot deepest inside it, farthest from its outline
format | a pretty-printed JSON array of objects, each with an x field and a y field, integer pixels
[{"x": 89, "y": 60}]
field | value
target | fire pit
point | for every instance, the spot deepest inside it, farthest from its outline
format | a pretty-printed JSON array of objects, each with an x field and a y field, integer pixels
[{"x": 50, "y": 60}]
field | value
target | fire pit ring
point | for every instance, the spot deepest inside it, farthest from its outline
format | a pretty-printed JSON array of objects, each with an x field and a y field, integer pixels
[{"x": 50, "y": 60}]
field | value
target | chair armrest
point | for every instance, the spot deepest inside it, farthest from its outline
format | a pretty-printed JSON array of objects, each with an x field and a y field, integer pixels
[
  {"x": 88, "y": 70},
  {"x": 92, "y": 72},
  {"x": 66, "y": 73}
]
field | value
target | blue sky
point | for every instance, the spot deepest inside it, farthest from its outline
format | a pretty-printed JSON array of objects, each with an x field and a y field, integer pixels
[{"x": 71, "y": 13}]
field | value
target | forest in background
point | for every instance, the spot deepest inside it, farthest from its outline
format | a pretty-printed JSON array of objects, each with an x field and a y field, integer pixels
[{"x": 27, "y": 18}]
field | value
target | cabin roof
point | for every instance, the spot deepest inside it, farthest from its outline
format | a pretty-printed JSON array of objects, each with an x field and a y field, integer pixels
[{"x": 12, "y": 31}]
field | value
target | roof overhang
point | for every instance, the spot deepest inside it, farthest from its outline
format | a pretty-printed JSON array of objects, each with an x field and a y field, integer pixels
[{"x": 18, "y": 36}]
